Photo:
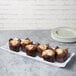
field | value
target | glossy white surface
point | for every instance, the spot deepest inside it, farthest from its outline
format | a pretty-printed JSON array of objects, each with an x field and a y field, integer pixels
[{"x": 57, "y": 64}]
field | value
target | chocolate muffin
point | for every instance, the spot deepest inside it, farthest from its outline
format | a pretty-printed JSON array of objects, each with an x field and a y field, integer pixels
[
  {"x": 14, "y": 44},
  {"x": 48, "y": 55},
  {"x": 41, "y": 48},
  {"x": 31, "y": 50},
  {"x": 61, "y": 54},
  {"x": 25, "y": 42}
]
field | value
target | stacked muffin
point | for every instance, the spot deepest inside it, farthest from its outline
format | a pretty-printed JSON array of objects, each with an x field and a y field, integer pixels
[{"x": 36, "y": 49}]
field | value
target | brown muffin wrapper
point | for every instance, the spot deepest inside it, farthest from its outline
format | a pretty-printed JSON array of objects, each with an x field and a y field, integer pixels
[
  {"x": 15, "y": 48},
  {"x": 49, "y": 58}
]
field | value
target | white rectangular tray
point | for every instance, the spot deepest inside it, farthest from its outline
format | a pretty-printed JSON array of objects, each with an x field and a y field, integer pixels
[{"x": 6, "y": 47}]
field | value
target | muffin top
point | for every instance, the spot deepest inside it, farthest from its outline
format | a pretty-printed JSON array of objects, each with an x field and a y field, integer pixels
[
  {"x": 30, "y": 47},
  {"x": 26, "y": 41},
  {"x": 43, "y": 47},
  {"x": 14, "y": 42},
  {"x": 60, "y": 51},
  {"x": 48, "y": 52}
]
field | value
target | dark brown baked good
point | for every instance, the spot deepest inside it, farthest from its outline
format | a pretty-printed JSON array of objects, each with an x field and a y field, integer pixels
[
  {"x": 31, "y": 50},
  {"x": 41, "y": 48},
  {"x": 61, "y": 54},
  {"x": 25, "y": 42},
  {"x": 48, "y": 55},
  {"x": 14, "y": 44}
]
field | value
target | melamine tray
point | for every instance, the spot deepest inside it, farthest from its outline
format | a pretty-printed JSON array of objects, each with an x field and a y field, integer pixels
[{"x": 6, "y": 47}]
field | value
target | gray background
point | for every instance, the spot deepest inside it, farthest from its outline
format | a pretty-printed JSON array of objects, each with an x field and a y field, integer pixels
[{"x": 15, "y": 65}]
